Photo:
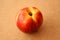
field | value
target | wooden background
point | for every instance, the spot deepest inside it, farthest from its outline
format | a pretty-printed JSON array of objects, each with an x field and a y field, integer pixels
[{"x": 50, "y": 29}]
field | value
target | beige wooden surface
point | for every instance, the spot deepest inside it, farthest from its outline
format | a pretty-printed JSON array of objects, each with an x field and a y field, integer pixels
[{"x": 50, "y": 29}]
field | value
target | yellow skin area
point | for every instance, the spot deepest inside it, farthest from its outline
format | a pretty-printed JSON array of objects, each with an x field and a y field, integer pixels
[{"x": 32, "y": 10}]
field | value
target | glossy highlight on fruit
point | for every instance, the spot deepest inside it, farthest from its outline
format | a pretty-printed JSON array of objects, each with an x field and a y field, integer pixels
[{"x": 29, "y": 19}]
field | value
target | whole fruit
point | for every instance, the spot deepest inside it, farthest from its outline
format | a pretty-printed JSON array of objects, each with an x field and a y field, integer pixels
[{"x": 29, "y": 19}]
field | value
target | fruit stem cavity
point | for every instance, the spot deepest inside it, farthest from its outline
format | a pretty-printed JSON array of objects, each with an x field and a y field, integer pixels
[{"x": 30, "y": 13}]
